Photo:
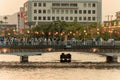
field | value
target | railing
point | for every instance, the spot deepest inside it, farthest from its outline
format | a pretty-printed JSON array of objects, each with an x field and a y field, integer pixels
[{"x": 60, "y": 43}]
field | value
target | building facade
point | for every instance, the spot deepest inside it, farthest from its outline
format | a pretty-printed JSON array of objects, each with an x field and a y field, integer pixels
[{"x": 46, "y": 11}]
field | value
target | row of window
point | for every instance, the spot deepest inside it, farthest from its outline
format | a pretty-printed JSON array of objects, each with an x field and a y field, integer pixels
[
  {"x": 65, "y": 4},
  {"x": 39, "y": 4},
  {"x": 65, "y": 11},
  {"x": 65, "y": 18}
]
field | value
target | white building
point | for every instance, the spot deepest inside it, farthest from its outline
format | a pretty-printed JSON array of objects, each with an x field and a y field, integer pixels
[{"x": 45, "y": 11}]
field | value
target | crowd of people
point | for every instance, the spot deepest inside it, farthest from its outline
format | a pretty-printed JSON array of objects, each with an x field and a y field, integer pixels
[{"x": 51, "y": 41}]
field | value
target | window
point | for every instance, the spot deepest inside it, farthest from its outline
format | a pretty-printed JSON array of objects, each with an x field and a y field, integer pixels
[
  {"x": 66, "y": 11},
  {"x": 93, "y": 11},
  {"x": 53, "y": 18},
  {"x": 94, "y": 5},
  {"x": 66, "y": 18},
  {"x": 71, "y": 18},
  {"x": 39, "y": 17},
  {"x": 84, "y": 11},
  {"x": 75, "y": 18},
  {"x": 75, "y": 11},
  {"x": 57, "y": 11},
  {"x": 35, "y": 17},
  {"x": 44, "y": 11},
  {"x": 39, "y": 4},
  {"x": 73, "y": 4},
  {"x": 57, "y": 18},
  {"x": 71, "y": 11},
  {"x": 39, "y": 11},
  {"x": 93, "y": 18},
  {"x": 85, "y": 4},
  {"x": 62, "y": 11},
  {"x": 89, "y": 11},
  {"x": 48, "y": 11},
  {"x": 53, "y": 11},
  {"x": 48, "y": 18},
  {"x": 89, "y": 4},
  {"x": 62, "y": 18},
  {"x": 80, "y": 18},
  {"x": 80, "y": 11},
  {"x": 44, "y": 4},
  {"x": 89, "y": 18},
  {"x": 35, "y": 11},
  {"x": 35, "y": 4},
  {"x": 84, "y": 18},
  {"x": 44, "y": 18}
]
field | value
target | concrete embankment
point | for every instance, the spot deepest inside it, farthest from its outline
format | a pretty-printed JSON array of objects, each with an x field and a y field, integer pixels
[{"x": 90, "y": 65}]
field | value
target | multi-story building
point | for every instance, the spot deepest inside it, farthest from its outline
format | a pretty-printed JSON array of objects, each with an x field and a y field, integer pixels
[{"x": 45, "y": 11}]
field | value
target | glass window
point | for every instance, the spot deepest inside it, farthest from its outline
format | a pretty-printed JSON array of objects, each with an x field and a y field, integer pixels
[
  {"x": 62, "y": 11},
  {"x": 71, "y": 18},
  {"x": 75, "y": 18},
  {"x": 39, "y": 4},
  {"x": 53, "y": 11},
  {"x": 44, "y": 11},
  {"x": 80, "y": 18},
  {"x": 39, "y": 17},
  {"x": 62, "y": 18},
  {"x": 85, "y": 4},
  {"x": 93, "y": 18},
  {"x": 66, "y": 18},
  {"x": 35, "y": 17},
  {"x": 44, "y": 18},
  {"x": 53, "y": 18},
  {"x": 66, "y": 11},
  {"x": 89, "y": 18},
  {"x": 84, "y": 18},
  {"x": 71, "y": 11},
  {"x": 57, "y": 18},
  {"x": 94, "y": 5},
  {"x": 93, "y": 11},
  {"x": 44, "y": 4},
  {"x": 35, "y": 4},
  {"x": 89, "y": 4},
  {"x": 84, "y": 11},
  {"x": 39, "y": 11},
  {"x": 89, "y": 11},
  {"x": 48, "y": 18},
  {"x": 80, "y": 11},
  {"x": 35, "y": 11},
  {"x": 48, "y": 11},
  {"x": 57, "y": 11},
  {"x": 75, "y": 11}
]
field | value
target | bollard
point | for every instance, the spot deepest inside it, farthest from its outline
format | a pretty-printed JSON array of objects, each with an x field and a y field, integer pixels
[
  {"x": 111, "y": 59},
  {"x": 23, "y": 59}
]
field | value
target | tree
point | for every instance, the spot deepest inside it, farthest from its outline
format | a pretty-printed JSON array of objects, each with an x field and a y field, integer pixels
[{"x": 5, "y": 18}]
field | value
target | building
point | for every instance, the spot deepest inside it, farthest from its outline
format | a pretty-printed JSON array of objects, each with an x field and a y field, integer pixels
[{"x": 46, "y": 11}]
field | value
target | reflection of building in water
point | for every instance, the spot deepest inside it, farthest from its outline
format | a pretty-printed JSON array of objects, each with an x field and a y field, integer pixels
[{"x": 46, "y": 11}]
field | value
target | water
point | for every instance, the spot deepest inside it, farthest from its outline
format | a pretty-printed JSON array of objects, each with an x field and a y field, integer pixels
[{"x": 57, "y": 73}]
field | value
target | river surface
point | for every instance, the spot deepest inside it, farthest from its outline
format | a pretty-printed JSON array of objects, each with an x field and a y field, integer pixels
[{"x": 57, "y": 73}]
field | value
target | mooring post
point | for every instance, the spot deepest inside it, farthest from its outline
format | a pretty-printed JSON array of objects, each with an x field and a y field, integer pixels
[
  {"x": 23, "y": 59},
  {"x": 111, "y": 59}
]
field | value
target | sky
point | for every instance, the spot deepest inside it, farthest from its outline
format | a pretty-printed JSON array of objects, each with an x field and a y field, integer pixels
[{"x": 9, "y": 7}]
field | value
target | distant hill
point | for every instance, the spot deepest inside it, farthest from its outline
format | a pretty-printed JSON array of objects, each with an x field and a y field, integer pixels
[{"x": 12, "y": 19}]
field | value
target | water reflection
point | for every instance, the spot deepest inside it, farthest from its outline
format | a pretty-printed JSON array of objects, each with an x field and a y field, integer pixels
[{"x": 57, "y": 73}]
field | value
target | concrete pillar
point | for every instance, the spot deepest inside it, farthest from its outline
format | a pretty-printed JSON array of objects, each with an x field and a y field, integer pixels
[
  {"x": 111, "y": 59},
  {"x": 23, "y": 59}
]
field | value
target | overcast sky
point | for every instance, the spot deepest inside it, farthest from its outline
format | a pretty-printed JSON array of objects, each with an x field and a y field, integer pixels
[{"x": 8, "y": 7}]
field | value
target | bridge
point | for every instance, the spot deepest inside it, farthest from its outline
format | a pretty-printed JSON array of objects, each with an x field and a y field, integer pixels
[{"x": 24, "y": 51}]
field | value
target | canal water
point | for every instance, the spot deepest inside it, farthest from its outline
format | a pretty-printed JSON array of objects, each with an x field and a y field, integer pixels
[{"x": 58, "y": 73}]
